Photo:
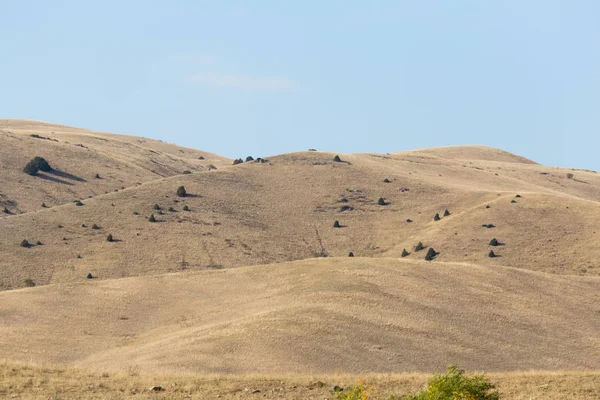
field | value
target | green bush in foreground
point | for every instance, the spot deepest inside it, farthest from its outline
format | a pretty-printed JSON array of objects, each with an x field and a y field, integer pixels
[
  {"x": 455, "y": 385},
  {"x": 356, "y": 392}
]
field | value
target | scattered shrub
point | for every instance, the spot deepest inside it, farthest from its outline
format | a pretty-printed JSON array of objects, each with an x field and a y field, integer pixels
[
  {"x": 488, "y": 225},
  {"x": 351, "y": 254},
  {"x": 37, "y": 164},
  {"x": 151, "y": 218},
  {"x": 491, "y": 254},
  {"x": 201, "y": 158},
  {"x": 494, "y": 242},
  {"x": 436, "y": 217},
  {"x": 95, "y": 227},
  {"x": 431, "y": 253},
  {"x": 186, "y": 208},
  {"x": 187, "y": 172},
  {"x": 337, "y": 159},
  {"x": 109, "y": 238},
  {"x": 405, "y": 253},
  {"x": 446, "y": 213},
  {"x": 249, "y": 158},
  {"x": 97, "y": 176},
  {"x": 570, "y": 176},
  {"x": 419, "y": 246},
  {"x": 386, "y": 180},
  {"x": 90, "y": 276},
  {"x": 60, "y": 226},
  {"x": 136, "y": 213},
  {"x": 6, "y": 211},
  {"x": 171, "y": 209},
  {"x": 409, "y": 220},
  {"x": 44, "y": 205},
  {"x": 356, "y": 392},
  {"x": 513, "y": 201},
  {"x": 312, "y": 149},
  {"x": 156, "y": 207},
  {"x": 25, "y": 243},
  {"x": 181, "y": 192},
  {"x": 487, "y": 206},
  {"x": 83, "y": 225},
  {"x": 382, "y": 202},
  {"x": 518, "y": 196},
  {"x": 455, "y": 385},
  {"x": 29, "y": 283},
  {"x": 238, "y": 161},
  {"x": 336, "y": 224},
  {"x": 78, "y": 203}
]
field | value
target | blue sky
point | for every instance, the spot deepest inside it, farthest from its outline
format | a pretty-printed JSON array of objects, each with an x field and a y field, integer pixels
[{"x": 266, "y": 77}]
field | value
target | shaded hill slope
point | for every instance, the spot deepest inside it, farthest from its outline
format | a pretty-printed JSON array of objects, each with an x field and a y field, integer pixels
[{"x": 313, "y": 316}]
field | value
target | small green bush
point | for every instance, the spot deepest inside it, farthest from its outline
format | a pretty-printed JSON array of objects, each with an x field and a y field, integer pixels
[
  {"x": 6, "y": 210},
  {"x": 494, "y": 242},
  {"x": 356, "y": 392},
  {"x": 351, "y": 254},
  {"x": 491, "y": 254},
  {"x": 446, "y": 213},
  {"x": 156, "y": 207},
  {"x": 386, "y": 180},
  {"x": 29, "y": 283},
  {"x": 78, "y": 203},
  {"x": 336, "y": 224},
  {"x": 337, "y": 159},
  {"x": 487, "y": 206},
  {"x": 249, "y": 158},
  {"x": 518, "y": 196},
  {"x": 405, "y": 253},
  {"x": 513, "y": 201},
  {"x": 25, "y": 243},
  {"x": 109, "y": 238},
  {"x": 38, "y": 243},
  {"x": 431, "y": 253},
  {"x": 37, "y": 164},
  {"x": 409, "y": 220},
  {"x": 419, "y": 246},
  {"x": 97, "y": 176},
  {"x": 238, "y": 161},
  {"x": 171, "y": 209},
  {"x": 382, "y": 202},
  {"x": 44, "y": 205},
  {"x": 187, "y": 172},
  {"x": 186, "y": 208},
  {"x": 455, "y": 385},
  {"x": 181, "y": 192},
  {"x": 436, "y": 217},
  {"x": 151, "y": 219},
  {"x": 95, "y": 227}
]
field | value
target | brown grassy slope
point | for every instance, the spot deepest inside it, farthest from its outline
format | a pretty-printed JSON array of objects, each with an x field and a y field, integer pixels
[
  {"x": 351, "y": 315},
  {"x": 284, "y": 210},
  {"x": 25, "y": 381},
  {"x": 78, "y": 155}
]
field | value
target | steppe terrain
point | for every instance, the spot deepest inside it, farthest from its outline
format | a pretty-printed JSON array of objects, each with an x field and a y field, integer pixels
[{"x": 247, "y": 274}]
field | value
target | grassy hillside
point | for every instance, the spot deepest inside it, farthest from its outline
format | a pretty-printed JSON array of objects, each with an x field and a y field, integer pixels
[
  {"x": 284, "y": 209},
  {"x": 77, "y": 155},
  {"x": 37, "y": 381},
  {"x": 356, "y": 315}
]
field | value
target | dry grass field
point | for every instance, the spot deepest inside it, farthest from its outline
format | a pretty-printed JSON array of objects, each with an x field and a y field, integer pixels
[
  {"x": 245, "y": 283},
  {"x": 26, "y": 381}
]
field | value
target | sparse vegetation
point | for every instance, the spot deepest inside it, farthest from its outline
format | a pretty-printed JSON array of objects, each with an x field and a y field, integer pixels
[
  {"x": 187, "y": 172},
  {"x": 78, "y": 203},
  {"x": 570, "y": 176},
  {"x": 431, "y": 253},
  {"x": 405, "y": 253},
  {"x": 90, "y": 276},
  {"x": 95, "y": 227},
  {"x": 518, "y": 196},
  {"x": 6, "y": 210},
  {"x": 44, "y": 205},
  {"x": 491, "y": 254},
  {"x": 488, "y": 226},
  {"x": 386, "y": 180},
  {"x": 336, "y": 224},
  {"x": 513, "y": 201},
  {"x": 455, "y": 385},
  {"x": 409, "y": 220},
  {"x": 25, "y": 243},
  {"x": 337, "y": 159},
  {"x": 487, "y": 206},
  {"x": 181, "y": 192},
  {"x": 351, "y": 254},
  {"x": 419, "y": 247},
  {"x": 29, "y": 282},
  {"x": 171, "y": 209},
  {"x": 38, "y": 243},
  {"x": 37, "y": 164},
  {"x": 151, "y": 218},
  {"x": 156, "y": 207},
  {"x": 97, "y": 176},
  {"x": 494, "y": 242},
  {"x": 382, "y": 202},
  {"x": 249, "y": 158},
  {"x": 446, "y": 213},
  {"x": 238, "y": 161},
  {"x": 356, "y": 392},
  {"x": 109, "y": 238},
  {"x": 186, "y": 208},
  {"x": 436, "y": 217}
]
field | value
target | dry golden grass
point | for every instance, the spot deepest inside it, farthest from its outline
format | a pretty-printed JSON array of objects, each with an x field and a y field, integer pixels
[
  {"x": 25, "y": 381},
  {"x": 78, "y": 155},
  {"x": 284, "y": 210},
  {"x": 336, "y": 315}
]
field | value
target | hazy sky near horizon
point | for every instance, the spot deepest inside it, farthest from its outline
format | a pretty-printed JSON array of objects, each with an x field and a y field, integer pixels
[{"x": 265, "y": 77}]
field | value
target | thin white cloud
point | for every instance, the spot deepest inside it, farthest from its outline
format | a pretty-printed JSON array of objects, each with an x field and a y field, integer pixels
[{"x": 245, "y": 82}]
